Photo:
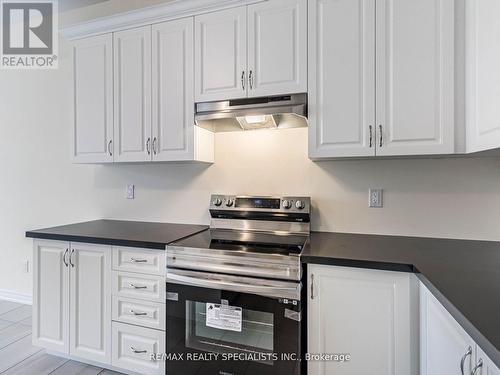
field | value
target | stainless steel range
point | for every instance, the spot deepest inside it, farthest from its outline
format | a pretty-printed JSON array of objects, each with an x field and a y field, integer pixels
[{"x": 234, "y": 291}]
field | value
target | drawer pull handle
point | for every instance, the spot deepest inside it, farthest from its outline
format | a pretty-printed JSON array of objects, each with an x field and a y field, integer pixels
[
  {"x": 138, "y": 351},
  {"x": 478, "y": 366},
  {"x": 138, "y": 313},
  {"x": 138, "y": 286},
  {"x": 135, "y": 260}
]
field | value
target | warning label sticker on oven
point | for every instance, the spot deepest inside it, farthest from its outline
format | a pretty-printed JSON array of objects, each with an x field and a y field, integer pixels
[{"x": 224, "y": 317}]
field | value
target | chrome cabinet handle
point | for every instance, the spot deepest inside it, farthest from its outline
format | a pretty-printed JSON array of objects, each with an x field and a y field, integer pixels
[
  {"x": 478, "y": 366},
  {"x": 371, "y": 136},
  {"x": 135, "y": 260},
  {"x": 155, "y": 151},
  {"x": 138, "y": 351},
  {"x": 243, "y": 80},
  {"x": 138, "y": 313},
  {"x": 381, "y": 135},
  {"x": 148, "y": 146},
  {"x": 250, "y": 79},
  {"x": 109, "y": 147},
  {"x": 312, "y": 286},
  {"x": 64, "y": 258},
  {"x": 462, "y": 362},
  {"x": 138, "y": 286},
  {"x": 71, "y": 258}
]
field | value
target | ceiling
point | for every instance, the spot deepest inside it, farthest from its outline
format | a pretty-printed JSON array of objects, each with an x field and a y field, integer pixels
[{"x": 65, "y": 5}]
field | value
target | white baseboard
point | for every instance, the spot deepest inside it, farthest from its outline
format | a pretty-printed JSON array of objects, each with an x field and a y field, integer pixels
[{"x": 7, "y": 295}]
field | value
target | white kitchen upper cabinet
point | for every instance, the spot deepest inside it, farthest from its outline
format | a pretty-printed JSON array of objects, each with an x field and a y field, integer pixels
[
  {"x": 488, "y": 367},
  {"x": 175, "y": 136},
  {"x": 277, "y": 47},
  {"x": 51, "y": 295},
  {"x": 443, "y": 343},
  {"x": 415, "y": 77},
  {"x": 482, "y": 74},
  {"x": 90, "y": 306},
  {"x": 370, "y": 314},
  {"x": 132, "y": 94},
  {"x": 221, "y": 55},
  {"x": 341, "y": 78},
  {"x": 93, "y": 99}
]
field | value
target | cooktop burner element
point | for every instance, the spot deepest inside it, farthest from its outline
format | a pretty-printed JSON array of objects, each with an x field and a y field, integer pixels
[{"x": 248, "y": 236}]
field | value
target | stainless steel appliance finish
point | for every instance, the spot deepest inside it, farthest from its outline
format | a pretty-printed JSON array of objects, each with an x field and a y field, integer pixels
[{"x": 248, "y": 261}]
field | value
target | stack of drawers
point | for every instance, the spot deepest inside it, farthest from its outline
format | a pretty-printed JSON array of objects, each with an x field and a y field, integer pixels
[{"x": 138, "y": 309}]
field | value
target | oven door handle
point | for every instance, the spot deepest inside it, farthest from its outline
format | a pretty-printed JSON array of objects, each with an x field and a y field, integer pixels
[{"x": 265, "y": 290}]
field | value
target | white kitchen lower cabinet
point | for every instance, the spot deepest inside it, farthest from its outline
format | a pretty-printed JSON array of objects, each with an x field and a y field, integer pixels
[
  {"x": 72, "y": 299},
  {"x": 90, "y": 302},
  {"x": 51, "y": 295},
  {"x": 133, "y": 347},
  {"x": 371, "y": 315}
]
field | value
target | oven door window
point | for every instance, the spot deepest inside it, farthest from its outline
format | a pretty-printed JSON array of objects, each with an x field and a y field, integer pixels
[{"x": 254, "y": 337}]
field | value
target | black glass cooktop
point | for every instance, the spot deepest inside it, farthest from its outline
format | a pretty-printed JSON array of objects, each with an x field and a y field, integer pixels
[{"x": 255, "y": 242}]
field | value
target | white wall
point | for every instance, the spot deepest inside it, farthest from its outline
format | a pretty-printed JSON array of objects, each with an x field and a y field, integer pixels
[{"x": 39, "y": 186}]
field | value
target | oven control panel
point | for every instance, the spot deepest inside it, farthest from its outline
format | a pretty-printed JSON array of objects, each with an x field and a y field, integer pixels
[{"x": 260, "y": 203}]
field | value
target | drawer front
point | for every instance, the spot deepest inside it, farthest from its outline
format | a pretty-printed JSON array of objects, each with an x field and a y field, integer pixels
[
  {"x": 133, "y": 347},
  {"x": 150, "y": 288},
  {"x": 137, "y": 260},
  {"x": 141, "y": 313}
]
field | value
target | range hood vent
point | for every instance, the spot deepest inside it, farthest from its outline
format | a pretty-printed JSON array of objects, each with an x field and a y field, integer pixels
[{"x": 277, "y": 112}]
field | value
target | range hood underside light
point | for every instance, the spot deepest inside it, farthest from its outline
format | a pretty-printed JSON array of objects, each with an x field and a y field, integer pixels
[{"x": 278, "y": 112}]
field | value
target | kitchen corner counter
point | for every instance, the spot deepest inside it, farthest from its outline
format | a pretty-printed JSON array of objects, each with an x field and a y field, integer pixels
[
  {"x": 119, "y": 233},
  {"x": 463, "y": 275}
]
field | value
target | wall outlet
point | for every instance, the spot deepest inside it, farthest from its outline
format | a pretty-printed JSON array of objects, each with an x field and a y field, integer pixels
[
  {"x": 376, "y": 198},
  {"x": 26, "y": 266},
  {"x": 130, "y": 192}
]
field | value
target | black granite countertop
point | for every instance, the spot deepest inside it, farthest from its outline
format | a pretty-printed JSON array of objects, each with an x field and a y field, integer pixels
[
  {"x": 120, "y": 233},
  {"x": 463, "y": 275}
]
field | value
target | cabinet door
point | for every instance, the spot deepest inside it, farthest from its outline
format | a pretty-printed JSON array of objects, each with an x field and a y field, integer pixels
[
  {"x": 443, "y": 343},
  {"x": 93, "y": 100},
  {"x": 277, "y": 47},
  {"x": 482, "y": 75},
  {"x": 488, "y": 367},
  {"x": 221, "y": 55},
  {"x": 173, "y": 90},
  {"x": 341, "y": 78},
  {"x": 132, "y": 94},
  {"x": 415, "y": 77},
  {"x": 90, "y": 302},
  {"x": 371, "y": 315},
  {"x": 51, "y": 295}
]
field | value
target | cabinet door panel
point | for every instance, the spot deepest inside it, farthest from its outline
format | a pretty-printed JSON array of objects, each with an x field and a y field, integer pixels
[
  {"x": 132, "y": 93},
  {"x": 93, "y": 99},
  {"x": 51, "y": 296},
  {"x": 221, "y": 55},
  {"x": 91, "y": 302},
  {"x": 368, "y": 314},
  {"x": 483, "y": 75},
  {"x": 415, "y": 77},
  {"x": 443, "y": 342},
  {"x": 341, "y": 78},
  {"x": 277, "y": 47},
  {"x": 488, "y": 368},
  {"x": 173, "y": 90}
]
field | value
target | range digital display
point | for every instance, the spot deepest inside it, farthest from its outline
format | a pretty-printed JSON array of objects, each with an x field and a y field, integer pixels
[{"x": 269, "y": 203}]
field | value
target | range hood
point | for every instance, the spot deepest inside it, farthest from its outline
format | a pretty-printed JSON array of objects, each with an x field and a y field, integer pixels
[{"x": 278, "y": 112}]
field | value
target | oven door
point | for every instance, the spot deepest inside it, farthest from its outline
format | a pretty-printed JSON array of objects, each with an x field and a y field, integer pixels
[{"x": 226, "y": 325}]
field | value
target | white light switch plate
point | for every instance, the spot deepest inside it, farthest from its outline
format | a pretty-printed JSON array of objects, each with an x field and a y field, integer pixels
[
  {"x": 130, "y": 192},
  {"x": 376, "y": 198}
]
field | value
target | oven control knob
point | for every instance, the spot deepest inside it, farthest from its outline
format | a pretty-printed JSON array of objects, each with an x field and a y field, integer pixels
[
  {"x": 217, "y": 202},
  {"x": 300, "y": 205},
  {"x": 229, "y": 202},
  {"x": 287, "y": 204}
]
